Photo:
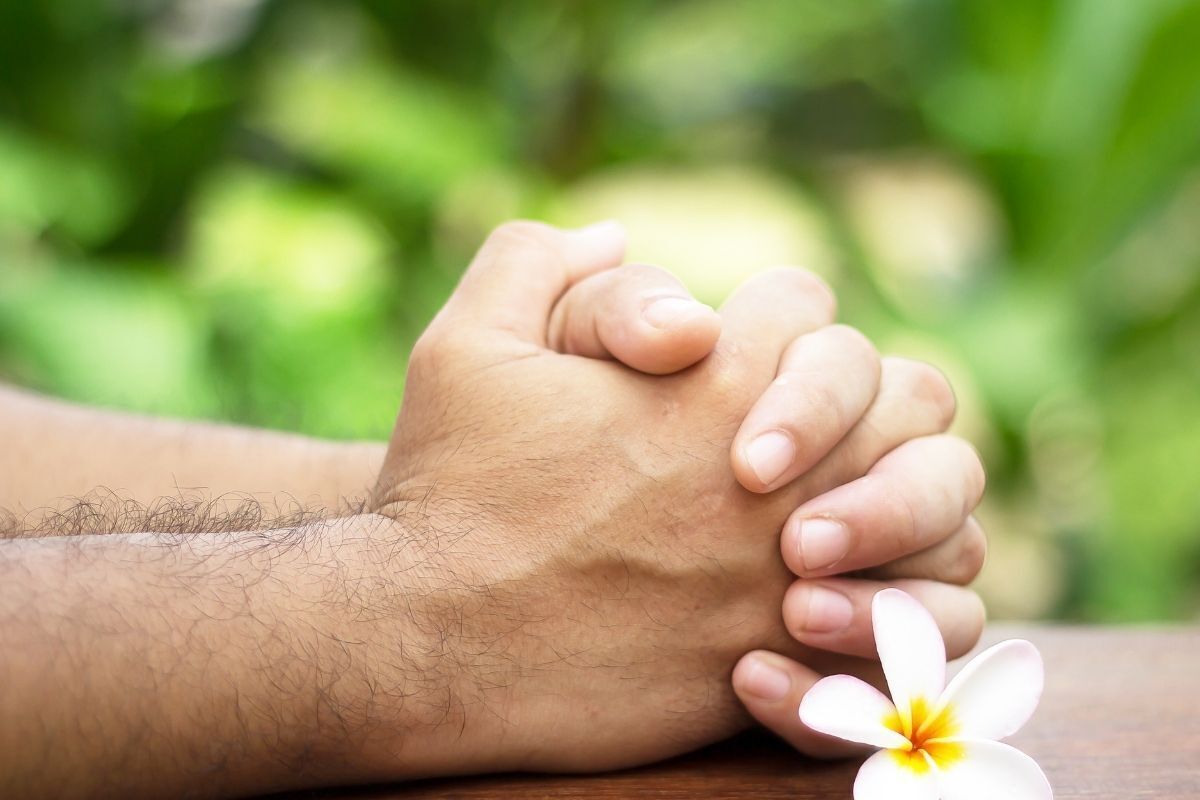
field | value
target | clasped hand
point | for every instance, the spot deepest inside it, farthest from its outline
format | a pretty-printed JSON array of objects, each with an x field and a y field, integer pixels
[{"x": 617, "y": 494}]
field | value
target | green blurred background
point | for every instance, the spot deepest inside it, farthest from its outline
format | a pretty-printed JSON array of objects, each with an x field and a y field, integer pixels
[{"x": 248, "y": 210}]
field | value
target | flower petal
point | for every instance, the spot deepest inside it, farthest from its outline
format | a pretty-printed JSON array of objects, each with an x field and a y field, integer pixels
[
  {"x": 911, "y": 649},
  {"x": 992, "y": 771},
  {"x": 890, "y": 775},
  {"x": 996, "y": 693},
  {"x": 850, "y": 709}
]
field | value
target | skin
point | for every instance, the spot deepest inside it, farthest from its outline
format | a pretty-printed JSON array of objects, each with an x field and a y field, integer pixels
[
  {"x": 57, "y": 451},
  {"x": 570, "y": 540}
]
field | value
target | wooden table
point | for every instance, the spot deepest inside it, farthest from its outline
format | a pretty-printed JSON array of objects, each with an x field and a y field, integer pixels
[{"x": 1120, "y": 720}]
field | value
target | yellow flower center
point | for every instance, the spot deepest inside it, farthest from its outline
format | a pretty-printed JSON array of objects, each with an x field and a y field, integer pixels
[{"x": 927, "y": 735}]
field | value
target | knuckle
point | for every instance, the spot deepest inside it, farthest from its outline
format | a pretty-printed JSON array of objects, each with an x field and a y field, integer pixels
[
  {"x": 518, "y": 238},
  {"x": 972, "y": 556},
  {"x": 806, "y": 284},
  {"x": 817, "y": 289},
  {"x": 961, "y": 561},
  {"x": 972, "y": 629},
  {"x": 434, "y": 350},
  {"x": 974, "y": 472},
  {"x": 855, "y": 342},
  {"x": 964, "y": 460},
  {"x": 849, "y": 347},
  {"x": 645, "y": 274},
  {"x": 519, "y": 232},
  {"x": 931, "y": 388}
]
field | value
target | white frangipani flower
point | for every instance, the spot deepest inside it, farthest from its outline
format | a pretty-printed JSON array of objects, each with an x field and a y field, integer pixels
[{"x": 938, "y": 741}]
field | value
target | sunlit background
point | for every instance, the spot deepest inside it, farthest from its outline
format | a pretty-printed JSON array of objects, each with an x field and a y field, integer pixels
[{"x": 248, "y": 210}]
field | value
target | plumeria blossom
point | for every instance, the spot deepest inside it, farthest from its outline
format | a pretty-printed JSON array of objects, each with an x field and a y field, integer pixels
[{"x": 937, "y": 740}]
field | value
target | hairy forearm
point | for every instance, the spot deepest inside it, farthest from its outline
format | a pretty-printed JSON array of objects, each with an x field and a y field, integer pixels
[
  {"x": 50, "y": 450},
  {"x": 218, "y": 664}
]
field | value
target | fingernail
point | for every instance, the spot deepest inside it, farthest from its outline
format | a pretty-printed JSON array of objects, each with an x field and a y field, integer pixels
[
  {"x": 822, "y": 542},
  {"x": 668, "y": 312},
  {"x": 766, "y": 681},
  {"x": 769, "y": 455},
  {"x": 828, "y": 611}
]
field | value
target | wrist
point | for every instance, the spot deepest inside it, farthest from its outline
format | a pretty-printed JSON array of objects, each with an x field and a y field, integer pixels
[
  {"x": 395, "y": 693},
  {"x": 417, "y": 633},
  {"x": 341, "y": 652}
]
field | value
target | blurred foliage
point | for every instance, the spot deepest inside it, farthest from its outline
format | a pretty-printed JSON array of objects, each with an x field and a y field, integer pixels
[{"x": 248, "y": 210}]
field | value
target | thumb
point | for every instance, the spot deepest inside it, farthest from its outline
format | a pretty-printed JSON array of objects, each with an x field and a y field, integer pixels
[
  {"x": 637, "y": 314},
  {"x": 523, "y": 268},
  {"x": 771, "y": 687}
]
